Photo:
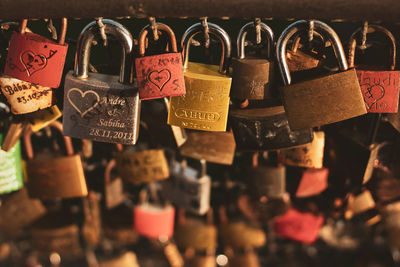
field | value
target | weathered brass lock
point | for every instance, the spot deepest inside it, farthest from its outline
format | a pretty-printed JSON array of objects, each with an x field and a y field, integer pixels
[
  {"x": 252, "y": 77},
  {"x": 309, "y": 156},
  {"x": 51, "y": 178},
  {"x": 216, "y": 147},
  {"x": 265, "y": 128},
  {"x": 101, "y": 107},
  {"x": 314, "y": 102},
  {"x": 188, "y": 188},
  {"x": 206, "y": 103},
  {"x": 159, "y": 75},
  {"x": 380, "y": 88}
]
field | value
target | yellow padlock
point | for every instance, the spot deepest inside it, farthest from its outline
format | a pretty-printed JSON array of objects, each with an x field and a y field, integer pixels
[{"x": 206, "y": 103}]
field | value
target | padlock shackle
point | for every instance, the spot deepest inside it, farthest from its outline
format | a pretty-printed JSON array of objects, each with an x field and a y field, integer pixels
[
  {"x": 85, "y": 41},
  {"x": 371, "y": 29},
  {"x": 107, "y": 172},
  {"x": 214, "y": 29},
  {"x": 240, "y": 41},
  {"x": 299, "y": 26},
  {"x": 55, "y": 124},
  {"x": 160, "y": 27},
  {"x": 63, "y": 32},
  {"x": 297, "y": 39}
]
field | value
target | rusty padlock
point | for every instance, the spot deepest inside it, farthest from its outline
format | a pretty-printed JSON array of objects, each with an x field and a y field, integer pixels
[
  {"x": 252, "y": 78},
  {"x": 380, "y": 88},
  {"x": 310, "y": 155},
  {"x": 36, "y": 59},
  {"x": 265, "y": 128},
  {"x": 188, "y": 188},
  {"x": 101, "y": 107},
  {"x": 314, "y": 102},
  {"x": 159, "y": 75},
  {"x": 206, "y": 103},
  {"x": 59, "y": 177},
  {"x": 216, "y": 147},
  {"x": 113, "y": 188}
]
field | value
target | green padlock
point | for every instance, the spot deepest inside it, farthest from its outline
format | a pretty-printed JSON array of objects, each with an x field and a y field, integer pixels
[{"x": 10, "y": 169}]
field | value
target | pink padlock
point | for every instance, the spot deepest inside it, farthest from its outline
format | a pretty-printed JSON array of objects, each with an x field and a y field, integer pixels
[{"x": 313, "y": 182}]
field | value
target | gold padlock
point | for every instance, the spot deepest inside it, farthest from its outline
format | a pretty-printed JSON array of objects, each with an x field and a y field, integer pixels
[{"x": 205, "y": 105}]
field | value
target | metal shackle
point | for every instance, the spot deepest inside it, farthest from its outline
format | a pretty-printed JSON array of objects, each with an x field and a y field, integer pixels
[
  {"x": 58, "y": 126},
  {"x": 242, "y": 38},
  {"x": 63, "y": 32},
  {"x": 84, "y": 44},
  {"x": 214, "y": 29},
  {"x": 302, "y": 25},
  {"x": 160, "y": 27},
  {"x": 297, "y": 39},
  {"x": 372, "y": 28}
]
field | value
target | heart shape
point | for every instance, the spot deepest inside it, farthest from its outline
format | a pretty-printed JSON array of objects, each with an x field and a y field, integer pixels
[
  {"x": 159, "y": 78},
  {"x": 373, "y": 94},
  {"x": 89, "y": 107},
  {"x": 33, "y": 62}
]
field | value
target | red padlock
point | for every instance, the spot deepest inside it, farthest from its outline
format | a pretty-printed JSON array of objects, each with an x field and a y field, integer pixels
[
  {"x": 298, "y": 226},
  {"x": 159, "y": 75},
  {"x": 380, "y": 89},
  {"x": 313, "y": 182},
  {"x": 154, "y": 221},
  {"x": 36, "y": 59}
]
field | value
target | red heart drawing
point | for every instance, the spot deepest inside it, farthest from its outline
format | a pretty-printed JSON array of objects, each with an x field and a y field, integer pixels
[
  {"x": 33, "y": 62},
  {"x": 159, "y": 78},
  {"x": 372, "y": 94}
]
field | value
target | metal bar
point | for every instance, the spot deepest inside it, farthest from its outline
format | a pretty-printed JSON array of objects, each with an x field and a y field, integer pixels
[{"x": 360, "y": 10}]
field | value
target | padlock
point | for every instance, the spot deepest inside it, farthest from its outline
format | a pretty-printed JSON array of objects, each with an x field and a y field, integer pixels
[
  {"x": 252, "y": 77},
  {"x": 10, "y": 169},
  {"x": 312, "y": 182},
  {"x": 142, "y": 166},
  {"x": 310, "y": 155},
  {"x": 101, "y": 107},
  {"x": 206, "y": 103},
  {"x": 359, "y": 203},
  {"x": 18, "y": 211},
  {"x": 153, "y": 220},
  {"x": 56, "y": 232},
  {"x": 41, "y": 118},
  {"x": 216, "y": 147},
  {"x": 127, "y": 259},
  {"x": 188, "y": 188},
  {"x": 314, "y": 102},
  {"x": 380, "y": 88},
  {"x": 194, "y": 233},
  {"x": 159, "y": 75},
  {"x": 239, "y": 235},
  {"x": 36, "y": 59},
  {"x": 247, "y": 258},
  {"x": 113, "y": 189},
  {"x": 51, "y": 178},
  {"x": 298, "y": 226},
  {"x": 91, "y": 228},
  {"x": 265, "y": 129}
]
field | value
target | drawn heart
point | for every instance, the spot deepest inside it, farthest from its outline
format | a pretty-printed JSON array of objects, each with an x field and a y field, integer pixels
[
  {"x": 33, "y": 62},
  {"x": 372, "y": 94},
  {"x": 159, "y": 78},
  {"x": 86, "y": 100}
]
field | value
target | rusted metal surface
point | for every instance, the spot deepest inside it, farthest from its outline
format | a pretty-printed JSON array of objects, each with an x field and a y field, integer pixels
[{"x": 372, "y": 10}]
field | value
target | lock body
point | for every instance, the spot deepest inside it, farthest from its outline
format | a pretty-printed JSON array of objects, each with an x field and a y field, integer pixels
[
  {"x": 265, "y": 129},
  {"x": 268, "y": 181},
  {"x": 160, "y": 76},
  {"x": 25, "y": 97},
  {"x": 313, "y": 182},
  {"x": 197, "y": 235},
  {"x": 100, "y": 108},
  {"x": 35, "y": 59},
  {"x": 10, "y": 169},
  {"x": 205, "y": 105}
]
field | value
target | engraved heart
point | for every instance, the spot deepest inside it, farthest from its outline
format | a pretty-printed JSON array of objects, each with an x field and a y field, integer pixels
[
  {"x": 33, "y": 62},
  {"x": 159, "y": 78},
  {"x": 87, "y": 101},
  {"x": 372, "y": 94}
]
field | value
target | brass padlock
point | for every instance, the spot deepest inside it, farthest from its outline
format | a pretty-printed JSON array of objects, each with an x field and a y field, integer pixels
[
  {"x": 252, "y": 78},
  {"x": 127, "y": 259},
  {"x": 18, "y": 211},
  {"x": 310, "y": 155},
  {"x": 205, "y": 105},
  {"x": 141, "y": 166},
  {"x": 113, "y": 188},
  {"x": 265, "y": 128},
  {"x": 216, "y": 147},
  {"x": 49, "y": 177},
  {"x": 359, "y": 205},
  {"x": 314, "y": 102}
]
